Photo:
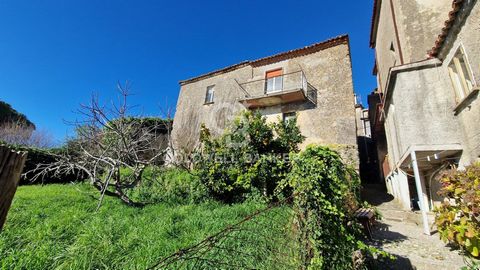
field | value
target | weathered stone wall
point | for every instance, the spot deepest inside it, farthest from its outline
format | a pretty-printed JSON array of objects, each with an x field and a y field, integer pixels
[
  {"x": 466, "y": 33},
  {"x": 330, "y": 121},
  {"x": 420, "y": 112},
  {"x": 385, "y": 39},
  {"x": 418, "y": 23},
  {"x": 192, "y": 111},
  {"x": 421, "y": 105}
]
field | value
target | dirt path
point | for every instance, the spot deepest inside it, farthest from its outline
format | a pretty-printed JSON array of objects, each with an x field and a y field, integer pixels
[{"x": 400, "y": 233}]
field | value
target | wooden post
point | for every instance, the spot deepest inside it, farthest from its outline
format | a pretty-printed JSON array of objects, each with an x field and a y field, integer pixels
[{"x": 11, "y": 166}]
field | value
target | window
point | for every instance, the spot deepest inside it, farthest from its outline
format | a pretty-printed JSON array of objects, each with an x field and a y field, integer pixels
[
  {"x": 392, "y": 48},
  {"x": 393, "y": 54},
  {"x": 210, "y": 94},
  {"x": 460, "y": 74},
  {"x": 274, "y": 81},
  {"x": 289, "y": 116}
]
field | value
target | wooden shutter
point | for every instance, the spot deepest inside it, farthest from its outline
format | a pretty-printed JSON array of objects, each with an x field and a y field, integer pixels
[{"x": 274, "y": 73}]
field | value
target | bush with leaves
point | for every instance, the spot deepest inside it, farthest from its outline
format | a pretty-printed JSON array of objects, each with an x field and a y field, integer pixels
[
  {"x": 251, "y": 156},
  {"x": 168, "y": 185},
  {"x": 458, "y": 218},
  {"x": 326, "y": 195}
]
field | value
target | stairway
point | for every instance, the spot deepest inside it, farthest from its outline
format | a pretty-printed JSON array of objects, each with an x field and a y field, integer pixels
[
  {"x": 400, "y": 233},
  {"x": 390, "y": 208}
]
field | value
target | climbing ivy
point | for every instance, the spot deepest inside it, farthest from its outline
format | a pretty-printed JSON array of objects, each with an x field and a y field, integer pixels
[
  {"x": 326, "y": 195},
  {"x": 248, "y": 158}
]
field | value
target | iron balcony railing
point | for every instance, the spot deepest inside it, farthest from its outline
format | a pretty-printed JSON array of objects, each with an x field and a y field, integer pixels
[
  {"x": 287, "y": 88},
  {"x": 284, "y": 83}
]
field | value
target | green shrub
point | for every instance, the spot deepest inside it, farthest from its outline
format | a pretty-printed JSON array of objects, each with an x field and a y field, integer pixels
[
  {"x": 326, "y": 195},
  {"x": 170, "y": 185},
  {"x": 458, "y": 219},
  {"x": 248, "y": 158}
]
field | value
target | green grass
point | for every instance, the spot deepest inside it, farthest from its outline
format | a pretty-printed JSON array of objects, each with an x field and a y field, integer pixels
[{"x": 56, "y": 227}]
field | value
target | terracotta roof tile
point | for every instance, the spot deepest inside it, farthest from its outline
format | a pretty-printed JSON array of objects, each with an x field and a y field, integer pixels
[
  {"x": 275, "y": 58},
  {"x": 215, "y": 72},
  {"x": 452, "y": 15},
  {"x": 301, "y": 51}
]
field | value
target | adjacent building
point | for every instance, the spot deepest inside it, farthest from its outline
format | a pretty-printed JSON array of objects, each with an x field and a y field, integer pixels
[
  {"x": 313, "y": 84},
  {"x": 425, "y": 113},
  {"x": 366, "y": 147}
]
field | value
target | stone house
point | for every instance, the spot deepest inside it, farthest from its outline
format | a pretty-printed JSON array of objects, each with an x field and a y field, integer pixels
[
  {"x": 366, "y": 147},
  {"x": 425, "y": 112},
  {"x": 313, "y": 84}
]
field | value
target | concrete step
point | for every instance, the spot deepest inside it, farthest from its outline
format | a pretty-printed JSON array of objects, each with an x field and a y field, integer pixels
[
  {"x": 392, "y": 214},
  {"x": 405, "y": 216}
]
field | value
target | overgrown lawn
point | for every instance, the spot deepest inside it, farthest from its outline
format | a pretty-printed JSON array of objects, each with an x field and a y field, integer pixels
[{"x": 56, "y": 227}]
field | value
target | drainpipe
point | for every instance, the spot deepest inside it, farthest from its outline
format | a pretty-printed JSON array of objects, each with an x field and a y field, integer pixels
[{"x": 418, "y": 184}]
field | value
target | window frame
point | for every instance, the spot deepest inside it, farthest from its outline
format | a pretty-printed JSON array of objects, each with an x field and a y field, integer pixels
[
  {"x": 274, "y": 81},
  {"x": 460, "y": 80},
  {"x": 288, "y": 115},
  {"x": 209, "y": 99}
]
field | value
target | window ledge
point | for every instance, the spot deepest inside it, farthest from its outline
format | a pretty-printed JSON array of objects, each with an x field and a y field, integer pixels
[{"x": 467, "y": 100}]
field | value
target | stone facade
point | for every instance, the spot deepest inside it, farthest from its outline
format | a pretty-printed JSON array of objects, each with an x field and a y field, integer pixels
[
  {"x": 366, "y": 146},
  {"x": 465, "y": 33},
  {"x": 318, "y": 76},
  {"x": 426, "y": 124},
  {"x": 404, "y": 30}
]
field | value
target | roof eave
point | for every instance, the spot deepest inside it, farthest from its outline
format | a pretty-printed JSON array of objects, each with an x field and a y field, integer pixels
[
  {"x": 374, "y": 24},
  {"x": 440, "y": 41},
  {"x": 339, "y": 40},
  {"x": 394, "y": 71},
  {"x": 342, "y": 39},
  {"x": 215, "y": 72}
]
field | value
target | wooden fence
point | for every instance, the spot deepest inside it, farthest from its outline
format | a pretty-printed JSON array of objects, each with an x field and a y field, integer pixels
[{"x": 11, "y": 166}]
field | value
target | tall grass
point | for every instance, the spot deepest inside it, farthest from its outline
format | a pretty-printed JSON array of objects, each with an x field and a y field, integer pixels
[
  {"x": 56, "y": 227},
  {"x": 170, "y": 185}
]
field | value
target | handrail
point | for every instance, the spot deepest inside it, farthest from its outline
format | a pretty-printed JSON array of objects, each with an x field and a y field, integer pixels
[
  {"x": 243, "y": 89},
  {"x": 290, "y": 81},
  {"x": 259, "y": 80}
]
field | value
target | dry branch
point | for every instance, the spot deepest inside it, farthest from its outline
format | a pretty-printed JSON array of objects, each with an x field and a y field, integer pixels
[{"x": 109, "y": 140}]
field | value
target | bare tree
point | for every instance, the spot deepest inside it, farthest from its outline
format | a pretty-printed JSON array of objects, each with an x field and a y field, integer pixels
[
  {"x": 20, "y": 133},
  {"x": 41, "y": 138},
  {"x": 15, "y": 133},
  {"x": 110, "y": 139}
]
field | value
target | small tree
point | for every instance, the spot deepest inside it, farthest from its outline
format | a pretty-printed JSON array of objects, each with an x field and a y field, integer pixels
[{"x": 110, "y": 139}]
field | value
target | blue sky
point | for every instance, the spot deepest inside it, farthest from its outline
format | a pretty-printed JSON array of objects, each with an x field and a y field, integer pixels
[{"x": 54, "y": 54}]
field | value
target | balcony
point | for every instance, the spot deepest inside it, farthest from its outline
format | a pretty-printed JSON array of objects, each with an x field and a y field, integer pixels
[{"x": 286, "y": 88}]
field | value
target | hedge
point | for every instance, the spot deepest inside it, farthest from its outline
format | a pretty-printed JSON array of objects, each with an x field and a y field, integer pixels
[{"x": 36, "y": 156}]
